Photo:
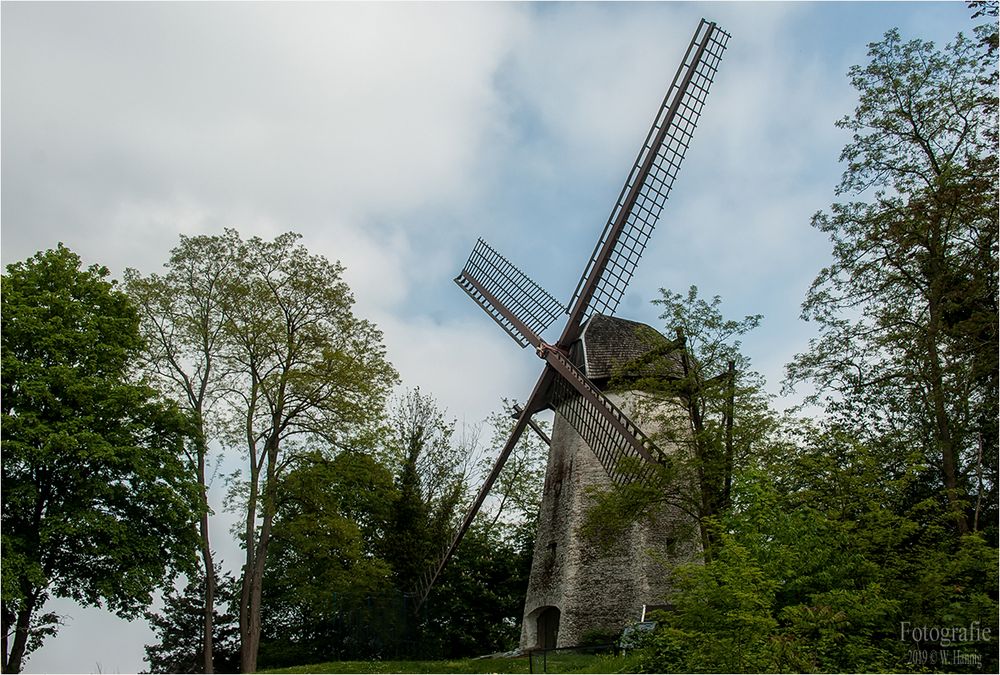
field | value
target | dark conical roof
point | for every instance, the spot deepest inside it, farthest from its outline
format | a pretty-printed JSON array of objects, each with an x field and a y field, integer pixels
[{"x": 608, "y": 343}]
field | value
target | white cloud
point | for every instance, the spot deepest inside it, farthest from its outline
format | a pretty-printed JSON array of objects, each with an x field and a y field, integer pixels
[
  {"x": 304, "y": 113},
  {"x": 467, "y": 363},
  {"x": 93, "y": 640}
]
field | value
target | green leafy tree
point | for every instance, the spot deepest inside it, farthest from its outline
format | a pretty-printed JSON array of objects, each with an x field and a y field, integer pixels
[
  {"x": 330, "y": 525},
  {"x": 258, "y": 339},
  {"x": 303, "y": 369},
  {"x": 716, "y": 387},
  {"x": 350, "y": 534},
  {"x": 709, "y": 409},
  {"x": 820, "y": 568},
  {"x": 184, "y": 314},
  {"x": 842, "y": 533},
  {"x": 430, "y": 468},
  {"x": 907, "y": 310},
  {"x": 180, "y": 646},
  {"x": 477, "y": 603},
  {"x": 97, "y": 503},
  {"x": 517, "y": 492}
]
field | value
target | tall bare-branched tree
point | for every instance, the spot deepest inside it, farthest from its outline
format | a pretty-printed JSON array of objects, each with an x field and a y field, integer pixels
[
  {"x": 304, "y": 369},
  {"x": 183, "y": 315}
]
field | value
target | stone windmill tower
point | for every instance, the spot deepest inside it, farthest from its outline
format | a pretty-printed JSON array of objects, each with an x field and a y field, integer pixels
[{"x": 573, "y": 589}]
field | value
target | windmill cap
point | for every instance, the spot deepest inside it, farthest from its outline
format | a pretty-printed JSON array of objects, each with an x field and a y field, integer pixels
[{"x": 609, "y": 346}]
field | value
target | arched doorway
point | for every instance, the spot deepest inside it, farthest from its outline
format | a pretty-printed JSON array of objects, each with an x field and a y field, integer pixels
[{"x": 548, "y": 628}]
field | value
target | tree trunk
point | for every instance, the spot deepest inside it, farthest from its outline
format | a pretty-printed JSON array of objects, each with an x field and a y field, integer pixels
[
  {"x": 943, "y": 437},
  {"x": 208, "y": 649},
  {"x": 727, "y": 487},
  {"x": 250, "y": 623},
  {"x": 253, "y": 580},
  {"x": 7, "y": 615},
  {"x": 250, "y": 643},
  {"x": 207, "y": 646},
  {"x": 706, "y": 464},
  {"x": 13, "y": 661},
  {"x": 942, "y": 423},
  {"x": 247, "y": 665}
]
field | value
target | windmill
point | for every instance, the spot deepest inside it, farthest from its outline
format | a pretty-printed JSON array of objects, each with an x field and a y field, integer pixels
[{"x": 525, "y": 310}]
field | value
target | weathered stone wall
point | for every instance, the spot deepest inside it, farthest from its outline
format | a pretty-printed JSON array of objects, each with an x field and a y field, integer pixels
[{"x": 595, "y": 590}]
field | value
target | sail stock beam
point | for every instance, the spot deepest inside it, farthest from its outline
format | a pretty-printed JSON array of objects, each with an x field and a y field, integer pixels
[
  {"x": 635, "y": 214},
  {"x": 533, "y": 403}
]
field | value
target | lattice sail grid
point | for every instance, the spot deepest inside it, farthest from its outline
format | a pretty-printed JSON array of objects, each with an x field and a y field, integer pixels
[
  {"x": 605, "y": 441},
  {"x": 532, "y": 305},
  {"x": 655, "y": 169}
]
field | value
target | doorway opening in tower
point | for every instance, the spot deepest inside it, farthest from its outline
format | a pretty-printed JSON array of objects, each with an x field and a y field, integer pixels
[{"x": 548, "y": 627}]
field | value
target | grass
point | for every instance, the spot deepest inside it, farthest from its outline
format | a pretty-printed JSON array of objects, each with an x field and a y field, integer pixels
[{"x": 555, "y": 663}]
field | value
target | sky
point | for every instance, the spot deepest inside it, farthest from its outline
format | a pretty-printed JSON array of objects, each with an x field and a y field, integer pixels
[{"x": 392, "y": 136}]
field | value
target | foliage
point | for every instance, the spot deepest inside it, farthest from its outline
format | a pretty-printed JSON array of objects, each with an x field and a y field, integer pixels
[
  {"x": 726, "y": 409},
  {"x": 476, "y": 604},
  {"x": 843, "y": 535},
  {"x": 430, "y": 470},
  {"x": 817, "y": 573},
  {"x": 98, "y": 506},
  {"x": 709, "y": 412},
  {"x": 907, "y": 311},
  {"x": 293, "y": 365},
  {"x": 349, "y": 535},
  {"x": 179, "y": 647},
  {"x": 517, "y": 491},
  {"x": 330, "y": 524},
  {"x": 555, "y": 663},
  {"x": 478, "y": 601}
]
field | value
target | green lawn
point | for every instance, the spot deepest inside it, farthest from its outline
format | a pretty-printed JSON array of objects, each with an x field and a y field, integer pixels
[{"x": 555, "y": 663}]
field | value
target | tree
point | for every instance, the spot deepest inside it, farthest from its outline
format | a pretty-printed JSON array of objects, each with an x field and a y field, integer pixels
[
  {"x": 477, "y": 603},
  {"x": 716, "y": 387},
  {"x": 430, "y": 469},
  {"x": 180, "y": 647},
  {"x": 821, "y": 570},
  {"x": 517, "y": 491},
  {"x": 329, "y": 530},
  {"x": 97, "y": 504},
  {"x": 349, "y": 536},
  {"x": 183, "y": 320},
  {"x": 843, "y": 532},
  {"x": 706, "y": 403},
  {"x": 907, "y": 311},
  {"x": 303, "y": 370}
]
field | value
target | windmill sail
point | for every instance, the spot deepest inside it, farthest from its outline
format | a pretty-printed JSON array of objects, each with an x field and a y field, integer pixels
[
  {"x": 606, "y": 430},
  {"x": 641, "y": 200},
  {"x": 519, "y": 305}
]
